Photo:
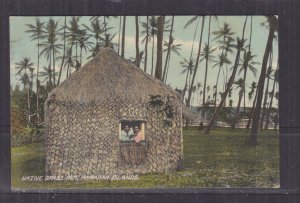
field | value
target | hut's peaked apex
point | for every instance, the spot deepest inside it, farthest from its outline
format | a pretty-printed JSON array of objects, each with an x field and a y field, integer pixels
[{"x": 106, "y": 76}]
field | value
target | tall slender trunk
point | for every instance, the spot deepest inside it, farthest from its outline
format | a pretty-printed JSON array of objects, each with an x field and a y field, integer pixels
[
  {"x": 185, "y": 86},
  {"x": 168, "y": 50},
  {"x": 37, "y": 83},
  {"x": 245, "y": 67},
  {"x": 104, "y": 21},
  {"x": 63, "y": 58},
  {"x": 220, "y": 67},
  {"x": 189, "y": 84},
  {"x": 152, "y": 55},
  {"x": 240, "y": 44},
  {"x": 262, "y": 119},
  {"x": 80, "y": 57},
  {"x": 119, "y": 38},
  {"x": 168, "y": 65},
  {"x": 146, "y": 46},
  {"x": 236, "y": 117},
  {"x": 249, "y": 50},
  {"x": 160, "y": 35},
  {"x": 217, "y": 82},
  {"x": 68, "y": 70},
  {"x": 270, "y": 107},
  {"x": 260, "y": 87},
  {"x": 206, "y": 62},
  {"x": 252, "y": 110},
  {"x": 53, "y": 67},
  {"x": 123, "y": 36},
  {"x": 137, "y": 41},
  {"x": 50, "y": 76}
]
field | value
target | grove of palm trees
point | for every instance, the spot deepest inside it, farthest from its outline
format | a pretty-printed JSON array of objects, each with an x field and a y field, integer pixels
[{"x": 225, "y": 68}]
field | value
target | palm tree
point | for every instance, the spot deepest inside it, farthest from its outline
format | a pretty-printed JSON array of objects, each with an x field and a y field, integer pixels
[
  {"x": 153, "y": 33},
  {"x": 47, "y": 74},
  {"x": 73, "y": 35},
  {"x": 239, "y": 46},
  {"x": 137, "y": 41},
  {"x": 123, "y": 36},
  {"x": 197, "y": 62},
  {"x": 84, "y": 43},
  {"x": 248, "y": 63},
  {"x": 50, "y": 46},
  {"x": 188, "y": 66},
  {"x": 107, "y": 41},
  {"x": 250, "y": 94},
  {"x": 207, "y": 48},
  {"x": 272, "y": 23},
  {"x": 226, "y": 44},
  {"x": 174, "y": 48},
  {"x": 207, "y": 55},
  {"x": 146, "y": 31},
  {"x": 96, "y": 30},
  {"x": 64, "y": 50},
  {"x": 240, "y": 85},
  {"x": 23, "y": 66},
  {"x": 36, "y": 32},
  {"x": 169, "y": 44},
  {"x": 160, "y": 35},
  {"x": 268, "y": 76},
  {"x": 272, "y": 93},
  {"x": 222, "y": 59}
]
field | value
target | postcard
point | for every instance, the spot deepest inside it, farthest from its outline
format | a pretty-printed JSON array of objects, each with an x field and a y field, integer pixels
[{"x": 105, "y": 102}]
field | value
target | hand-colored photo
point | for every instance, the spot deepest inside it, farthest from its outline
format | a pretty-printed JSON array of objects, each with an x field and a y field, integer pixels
[{"x": 100, "y": 102}]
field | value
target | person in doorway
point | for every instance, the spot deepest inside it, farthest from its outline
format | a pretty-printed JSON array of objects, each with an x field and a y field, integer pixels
[{"x": 126, "y": 134}]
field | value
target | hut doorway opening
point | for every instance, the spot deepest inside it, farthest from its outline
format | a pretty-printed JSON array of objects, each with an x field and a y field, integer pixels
[{"x": 133, "y": 147}]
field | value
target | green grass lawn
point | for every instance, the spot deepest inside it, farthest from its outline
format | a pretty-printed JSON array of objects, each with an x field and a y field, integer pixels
[{"x": 221, "y": 159}]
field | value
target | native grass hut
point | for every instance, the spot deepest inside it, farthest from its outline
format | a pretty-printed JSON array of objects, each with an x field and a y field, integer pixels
[{"x": 87, "y": 114}]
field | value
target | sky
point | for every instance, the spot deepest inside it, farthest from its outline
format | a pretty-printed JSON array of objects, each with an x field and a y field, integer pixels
[{"x": 21, "y": 46}]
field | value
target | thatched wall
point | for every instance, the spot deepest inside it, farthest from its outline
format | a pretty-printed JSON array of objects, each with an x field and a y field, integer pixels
[{"x": 83, "y": 138}]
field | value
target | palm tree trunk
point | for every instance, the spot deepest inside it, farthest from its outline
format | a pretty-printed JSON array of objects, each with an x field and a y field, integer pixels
[
  {"x": 168, "y": 50},
  {"x": 63, "y": 58},
  {"x": 249, "y": 50},
  {"x": 119, "y": 38},
  {"x": 160, "y": 35},
  {"x": 245, "y": 67},
  {"x": 237, "y": 110},
  {"x": 50, "y": 76},
  {"x": 137, "y": 54},
  {"x": 252, "y": 110},
  {"x": 123, "y": 36},
  {"x": 206, "y": 63},
  {"x": 185, "y": 86},
  {"x": 266, "y": 93},
  {"x": 260, "y": 86},
  {"x": 53, "y": 67},
  {"x": 37, "y": 83},
  {"x": 168, "y": 65},
  {"x": 197, "y": 62},
  {"x": 217, "y": 82},
  {"x": 240, "y": 45},
  {"x": 270, "y": 106},
  {"x": 146, "y": 47},
  {"x": 152, "y": 55},
  {"x": 80, "y": 57}
]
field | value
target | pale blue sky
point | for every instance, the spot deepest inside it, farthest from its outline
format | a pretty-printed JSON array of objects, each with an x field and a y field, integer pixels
[{"x": 22, "y": 46}]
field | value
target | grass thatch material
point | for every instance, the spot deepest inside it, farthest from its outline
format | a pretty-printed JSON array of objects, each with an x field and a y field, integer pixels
[{"x": 110, "y": 76}]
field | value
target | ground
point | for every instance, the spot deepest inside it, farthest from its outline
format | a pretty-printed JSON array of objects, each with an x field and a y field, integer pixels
[{"x": 221, "y": 159}]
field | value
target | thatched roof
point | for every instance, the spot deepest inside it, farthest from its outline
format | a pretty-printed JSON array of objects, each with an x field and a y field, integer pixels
[{"x": 108, "y": 75}]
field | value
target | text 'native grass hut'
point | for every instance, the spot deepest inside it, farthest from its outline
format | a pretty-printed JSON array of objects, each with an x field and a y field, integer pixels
[{"x": 110, "y": 117}]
